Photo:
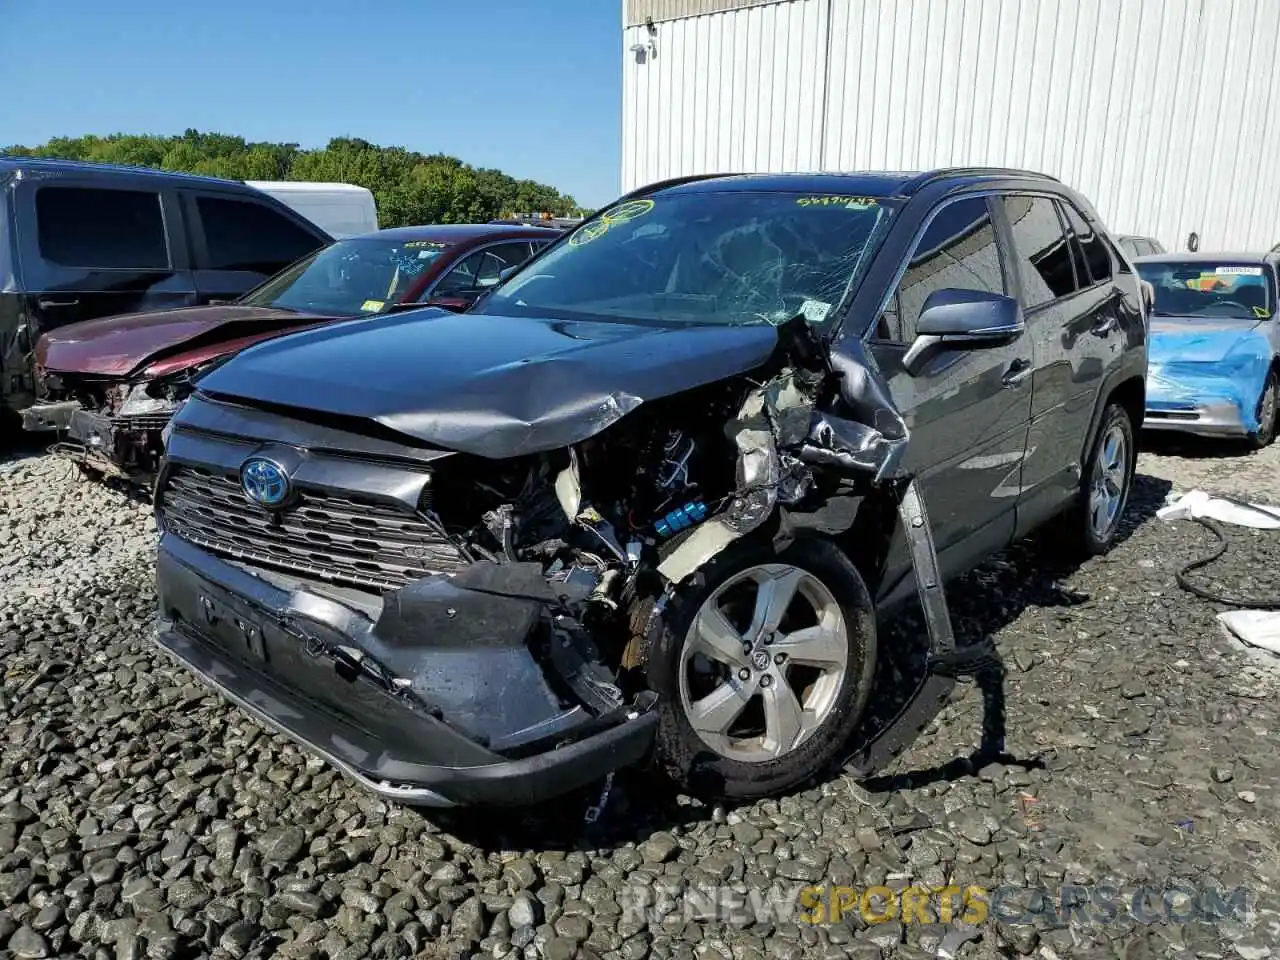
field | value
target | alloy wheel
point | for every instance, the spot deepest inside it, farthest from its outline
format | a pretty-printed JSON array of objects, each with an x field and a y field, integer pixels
[
  {"x": 763, "y": 662},
  {"x": 1108, "y": 486}
]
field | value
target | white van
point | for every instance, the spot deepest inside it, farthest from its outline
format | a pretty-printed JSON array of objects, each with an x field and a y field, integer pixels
[{"x": 339, "y": 209}]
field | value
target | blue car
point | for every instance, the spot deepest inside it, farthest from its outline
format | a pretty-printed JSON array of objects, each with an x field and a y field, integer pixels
[{"x": 1214, "y": 352}]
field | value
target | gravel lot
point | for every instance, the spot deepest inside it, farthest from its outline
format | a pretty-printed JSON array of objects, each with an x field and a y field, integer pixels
[{"x": 141, "y": 817}]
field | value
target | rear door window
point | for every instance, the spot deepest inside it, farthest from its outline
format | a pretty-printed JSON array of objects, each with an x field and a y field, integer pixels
[
  {"x": 1092, "y": 248},
  {"x": 100, "y": 229},
  {"x": 1042, "y": 249},
  {"x": 244, "y": 235},
  {"x": 482, "y": 269}
]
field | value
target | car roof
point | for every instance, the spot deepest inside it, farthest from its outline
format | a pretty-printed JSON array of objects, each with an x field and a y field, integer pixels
[
  {"x": 12, "y": 164},
  {"x": 1207, "y": 256},
  {"x": 461, "y": 232},
  {"x": 870, "y": 183}
]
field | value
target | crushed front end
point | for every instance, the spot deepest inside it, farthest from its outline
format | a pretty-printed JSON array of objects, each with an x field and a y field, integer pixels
[
  {"x": 1209, "y": 383},
  {"x": 106, "y": 425},
  {"x": 450, "y": 628}
]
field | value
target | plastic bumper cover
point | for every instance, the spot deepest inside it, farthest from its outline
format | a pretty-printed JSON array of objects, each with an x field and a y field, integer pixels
[
  {"x": 1214, "y": 418},
  {"x": 238, "y": 634}
]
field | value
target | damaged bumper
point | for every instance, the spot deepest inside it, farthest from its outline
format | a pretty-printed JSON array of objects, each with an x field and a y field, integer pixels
[
  {"x": 117, "y": 446},
  {"x": 418, "y": 714},
  {"x": 43, "y": 417},
  {"x": 1211, "y": 418}
]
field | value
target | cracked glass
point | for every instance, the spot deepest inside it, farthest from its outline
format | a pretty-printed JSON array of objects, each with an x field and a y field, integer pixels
[{"x": 731, "y": 258}]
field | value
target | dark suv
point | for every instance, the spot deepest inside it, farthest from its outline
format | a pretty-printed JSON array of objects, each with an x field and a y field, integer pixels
[
  {"x": 83, "y": 240},
  {"x": 647, "y": 499}
]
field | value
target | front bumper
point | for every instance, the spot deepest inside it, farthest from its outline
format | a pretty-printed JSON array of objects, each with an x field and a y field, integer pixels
[
  {"x": 44, "y": 417},
  {"x": 270, "y": 651},
  {"x": 1212, "y": 418},
  {"x": 121, "y": 447}
]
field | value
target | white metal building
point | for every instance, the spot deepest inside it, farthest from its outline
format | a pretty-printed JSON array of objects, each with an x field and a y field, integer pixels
[{"x": 1164, "y": 113}]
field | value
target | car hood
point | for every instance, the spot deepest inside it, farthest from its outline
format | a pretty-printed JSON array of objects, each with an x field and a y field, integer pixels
[
  {"x": 1197, "y": 340},
  {"x": 492, "y": 386},
  {"x": 120, "y": 345}
]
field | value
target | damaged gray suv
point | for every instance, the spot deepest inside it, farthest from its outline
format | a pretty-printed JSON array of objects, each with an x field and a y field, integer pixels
[{"x": 648, "y": 500}]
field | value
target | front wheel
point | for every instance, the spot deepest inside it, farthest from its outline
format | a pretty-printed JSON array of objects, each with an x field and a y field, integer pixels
[
  {"x": 1266, "y": 431},
  {"x": 764, "y": 665}
]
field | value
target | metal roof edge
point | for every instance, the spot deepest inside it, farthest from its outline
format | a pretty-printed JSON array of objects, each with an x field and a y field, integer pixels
[{"x": 636, "y": 12}]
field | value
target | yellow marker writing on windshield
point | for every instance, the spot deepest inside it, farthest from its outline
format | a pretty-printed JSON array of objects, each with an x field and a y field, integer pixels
[
  {"x": 588, "y": 233},
  {"x": 627, "y": 211},
  {"x": 852, "y": 203}
]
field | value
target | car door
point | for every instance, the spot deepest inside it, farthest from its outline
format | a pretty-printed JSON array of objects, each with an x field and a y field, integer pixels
[
  {"x": 1078, "y": 340},
  {"x": 91, "y": 247},
  {"x": 1058, "y": 314},
  {"x": 968, "y": 410},
  {"x": 95, "y": 247},
  {"x": 239, "y": 241}
]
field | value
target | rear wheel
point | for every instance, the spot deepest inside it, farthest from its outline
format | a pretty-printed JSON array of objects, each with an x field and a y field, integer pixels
[
  {"x": 764, "y": 665},
  {"x": 1266, "y": 414},
  {"x": 1093, "y": 523}
]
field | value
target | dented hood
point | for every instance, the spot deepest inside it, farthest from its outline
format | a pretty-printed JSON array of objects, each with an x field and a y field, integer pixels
[
  {"x": 493, "y": 386},
  {"x": 120, "y": 345}
]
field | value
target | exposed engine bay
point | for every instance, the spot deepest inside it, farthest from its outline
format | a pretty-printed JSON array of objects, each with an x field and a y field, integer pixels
[{"x": 111, "y": 426}]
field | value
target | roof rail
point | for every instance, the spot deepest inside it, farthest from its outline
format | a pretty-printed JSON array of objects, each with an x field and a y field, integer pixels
[{"x": 921, "y": 180}]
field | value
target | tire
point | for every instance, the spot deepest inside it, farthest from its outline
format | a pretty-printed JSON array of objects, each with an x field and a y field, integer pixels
[
  {"x": 733, "y": 767},
  {"x": 1085, "y": 537},
  {"x": 1266, "y": 414}
]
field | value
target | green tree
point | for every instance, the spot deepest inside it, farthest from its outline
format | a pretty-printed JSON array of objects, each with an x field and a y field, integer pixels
[{"x": 409, "y": 187}]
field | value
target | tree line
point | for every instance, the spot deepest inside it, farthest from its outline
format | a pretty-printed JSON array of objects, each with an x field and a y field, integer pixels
[{"x": 409, "y": 187}]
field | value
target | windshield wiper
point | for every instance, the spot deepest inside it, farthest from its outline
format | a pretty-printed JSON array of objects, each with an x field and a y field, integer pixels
[{"x": 401, "y": 307}]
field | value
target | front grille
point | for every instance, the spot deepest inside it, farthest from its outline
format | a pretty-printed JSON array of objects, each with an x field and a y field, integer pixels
[
  {"x": 141, "y": 423},
  {"x": 343, "y": 540}
]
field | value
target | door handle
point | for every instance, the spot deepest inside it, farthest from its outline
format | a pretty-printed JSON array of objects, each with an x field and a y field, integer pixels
[
  {"x": 1104, "y": 326},
  {"x": 1018, "y": 371},
  {"x": 54, "y": 304}
]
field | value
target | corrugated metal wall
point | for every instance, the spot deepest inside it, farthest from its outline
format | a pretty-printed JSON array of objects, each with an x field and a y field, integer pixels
[{"x": 1165, "y": 113}]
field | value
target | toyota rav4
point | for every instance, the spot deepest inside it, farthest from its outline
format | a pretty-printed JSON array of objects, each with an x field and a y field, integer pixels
[{"x": 649, "y": 499}]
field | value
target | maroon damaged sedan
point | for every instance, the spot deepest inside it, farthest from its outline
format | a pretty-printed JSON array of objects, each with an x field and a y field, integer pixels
[{"x": 110, "y": 385}]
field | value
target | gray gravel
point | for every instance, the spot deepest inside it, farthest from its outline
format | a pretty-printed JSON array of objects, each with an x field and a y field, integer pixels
[{"x": 139, "y": 816}]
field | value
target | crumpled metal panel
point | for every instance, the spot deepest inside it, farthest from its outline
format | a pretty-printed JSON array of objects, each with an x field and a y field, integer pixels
[
  {"x": 1192, "y": 368},
  {"x": 491, "y": 386}
]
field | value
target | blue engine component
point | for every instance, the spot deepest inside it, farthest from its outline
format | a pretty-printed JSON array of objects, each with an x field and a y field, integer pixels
[{"x": 681, "y": 519}]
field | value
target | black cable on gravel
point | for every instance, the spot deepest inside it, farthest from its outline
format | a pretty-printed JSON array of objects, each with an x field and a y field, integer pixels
[{"x": 1204, "y": 593}]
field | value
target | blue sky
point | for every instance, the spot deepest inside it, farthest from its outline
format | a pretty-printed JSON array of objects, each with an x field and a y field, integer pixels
[{"x": 532, "y": 87}]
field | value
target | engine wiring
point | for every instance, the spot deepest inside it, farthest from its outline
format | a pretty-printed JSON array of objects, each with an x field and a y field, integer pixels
[{"x": 1205, "y": 593}]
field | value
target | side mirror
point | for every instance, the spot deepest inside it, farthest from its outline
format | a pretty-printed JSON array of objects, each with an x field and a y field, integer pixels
[
  {"x": 505, "y": 273},
  {"x": 963, "y": 320}
]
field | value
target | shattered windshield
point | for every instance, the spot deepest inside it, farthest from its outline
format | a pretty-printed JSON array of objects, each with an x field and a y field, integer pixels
[
  {"x": 350, "y": 278},
  {"x": 1214, "y": 291},
  {"x": 718, "y": 258}
]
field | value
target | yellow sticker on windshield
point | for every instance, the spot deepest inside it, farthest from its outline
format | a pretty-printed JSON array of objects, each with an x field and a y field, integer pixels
[
  {"x": 851, "y": 203},
  {"x": 588, "y": 233},
  {"x": 1262, "y": 313},
  {"x": 628, "y": 211},
  {"x": 373, "y": 306}
]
